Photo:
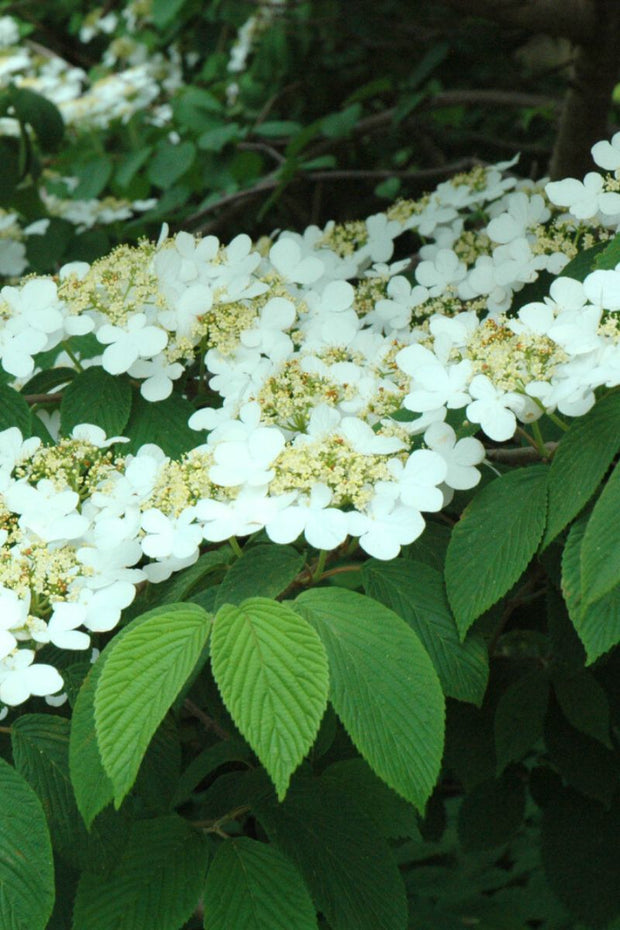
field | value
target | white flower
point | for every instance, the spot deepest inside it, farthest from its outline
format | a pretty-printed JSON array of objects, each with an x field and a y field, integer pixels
[
  {"x": 126, "y": 344},
  {"x": 602, "y": 288},
  {"x": 62, "y": 627},
  {"x": 607, "y": 154},
  {"x": 159, "y": 376},
  {"x": 385, "y": 527},
  {"x": 169, "y": 536},
  {"x": 460, "y": 457},
  {"x": 418, "y": 479},
  {"x": 445, "y": 270},
  {"x": 584, "y": 199},
  {"x": 433, "y": 384},
  {"x": 49, "y": 513},
  {"x": 19, "y": 678},
  {"x": 490, "y": 409},
  {"x": 287, "y": 258},
  {"x": 522, "y": 214},
  {"x": 324, "y": 527}
]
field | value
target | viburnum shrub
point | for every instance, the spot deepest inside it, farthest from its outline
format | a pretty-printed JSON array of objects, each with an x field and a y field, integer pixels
[{"x": 266, "y": 508}]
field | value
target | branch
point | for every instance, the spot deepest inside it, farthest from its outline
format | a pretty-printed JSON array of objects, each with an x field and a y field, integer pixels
[
  {"x": 574, "y": 19},
  {"x": 519, "y": 456}
]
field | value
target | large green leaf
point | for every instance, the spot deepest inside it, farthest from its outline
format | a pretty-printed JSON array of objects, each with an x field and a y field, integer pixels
[
  {"x": 41, "y": 753},
  {"x": 415, "y": 591},
  {"x": 142, "y": 674},
  {"x": 585, "y": 705},
  {"x": 580, "y": 462},
  {"x": 40, "y": 113},
  {"x": 253, "y": 886},
  {"x": 600, "y": 549},
  {"x": 91, "y": 784},
  {"x": 14, "y": 410},
  {"x": 597, "y": 625},
  {"x": 94, "y": 396},
  {"x": 164, "y": 423},
  {"x": 491, "y": 813},
  {"x": 26, "y": 866},
  {"x": 348, "y": 867},
  {"x": 155, "y": 885},
  {"x": 271, "y": 669},
  {"x": 580, "y": 856},
  {"x": 519, "y": 718},
  {"x": 383, "y": 687},
  {"x": 494, "y": 541},
  {"x": 265, "y": 570}
]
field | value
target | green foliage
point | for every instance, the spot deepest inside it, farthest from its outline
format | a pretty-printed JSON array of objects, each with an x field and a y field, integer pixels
[
  {"x": 141, "y": 676},
  {"x": 26, "y": 866},
  {"x": 271, "y": 669},
  {"x": 155, "y": 882},
  {"x": 494, "y": 541},
  {"x": 383, "y": 687},
  {"x": 253, "y": 885},
  {"x": 94, "y": 396}
]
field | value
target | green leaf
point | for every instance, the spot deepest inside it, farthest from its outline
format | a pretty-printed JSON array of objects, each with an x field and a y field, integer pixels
[
  {"x": 584, "y": 704},
  {"x": 583, "y": 762},
  {"x": 610, "y": 256},
  {"x": 416, "y": 593},
  {"x": 205, "y": 763},
  {"x": 94, "y": 396},
  {"x": 26, "y": 866},
  {"x": 156, "y": 883},
  {"x": 494, "y": 541},
  {"x": 170, "y": 162},
  {"x": 277, "y": 129},
  {"x": 580, "y": 856},
  {"x": 337, "y": 125},
  {"x": 214, "y": 140},
  {"x": 348, "y": 867},
  {"x": 253, "y": 886},
  {"x": 183, "y": 584},
  {"x": 600, "y": 549},
  {"x": 164, "y": 12},
  {"x": 519, "y": 718},
  {"x": 265, "y": 570},
  {"x": 41, "y": 114},
  {"x": 14, "y": 411},
  {"x": 131, "y": 164},
  {"x": 271, "y": 669},
  {"x": 93, "y": 177},
  {"x": 160, "y": 769},
  {"x": 383, "y": 687},
  {"x": 45, "y": 381},
  {"x": 46, "y": 252},
  {"x": 164, "y": 423},
  {"x": 584, "y": 262},
  {"x": 395, "y": 818},
  {"x": 492, "y": 813},
  {"x": 142, "y": 674},
  {"x": 41, "y": 754},
  {"x": 580, "y": 462},
  {"x": 598, "y": 626},
  {"x": 93, "y": 789}
]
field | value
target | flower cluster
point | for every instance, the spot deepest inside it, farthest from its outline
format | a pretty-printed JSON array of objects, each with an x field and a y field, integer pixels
[{"x": 334, "y": 371}]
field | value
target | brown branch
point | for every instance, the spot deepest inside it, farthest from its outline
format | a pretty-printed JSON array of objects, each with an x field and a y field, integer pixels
[
  {"x": 573, "y": 19},
  {"x": 208, "y": 722},
  {"x": 521, "y": 456},
  {"x": 42, "y": 398},
  {"x": 585, "y": 111}
]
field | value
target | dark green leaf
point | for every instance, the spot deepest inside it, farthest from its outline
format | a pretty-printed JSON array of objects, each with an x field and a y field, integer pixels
[
  {"x": 348, "y": 868},
  {"x": 585, "y": 705},
  {"x": 253, "y": 886},
  {"x": 492, "y": 813},
  {"x": 41, "y": 114},
  {"x": 164, "y": 423},
  {"x": 383, "y": 687},
  {"x": 416, "y": 593},
  {"x": 14, "y": 411},
  {"x": 494, "y": 541},
  {"x": 580, "y": 462},
  {"x": 265, "y": 570},
  {"x": 170, "y": 162},
  {"x": 156, "y": 883},
  {"x": 519, "y": 718},
  {"x": 94, "y": 396},
  {"x": 26, "y": 866}
]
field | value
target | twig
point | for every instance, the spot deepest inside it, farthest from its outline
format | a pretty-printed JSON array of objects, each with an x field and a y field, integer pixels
[
  {"x": 520, "y": 456},
  {"x": 42, "y": 398},
  {"x": 208, "y": 722}
]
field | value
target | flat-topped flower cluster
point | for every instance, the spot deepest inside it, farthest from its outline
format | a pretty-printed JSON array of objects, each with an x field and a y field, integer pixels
[{"x": 332, "y": 373}]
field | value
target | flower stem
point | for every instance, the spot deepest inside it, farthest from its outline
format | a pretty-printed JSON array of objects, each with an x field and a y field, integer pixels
[
  {"x": 234, "y": 545},
  {"x": 72, "y": 356},
  {"x": 320, "y": 565}
]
